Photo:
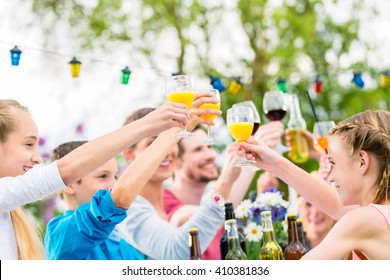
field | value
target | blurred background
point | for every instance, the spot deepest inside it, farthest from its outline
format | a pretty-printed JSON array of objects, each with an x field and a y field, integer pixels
[{"x": 339, "y": 51}]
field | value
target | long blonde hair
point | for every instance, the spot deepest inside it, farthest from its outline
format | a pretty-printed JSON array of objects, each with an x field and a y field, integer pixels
[
  {"x": 370, "y": 131},
  {"x": 29, "y": 242}
]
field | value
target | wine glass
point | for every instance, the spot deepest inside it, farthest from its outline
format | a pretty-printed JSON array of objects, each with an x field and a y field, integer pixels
[
  {"x": 320, "y": 131},
  {"x": 256, "y": 115},
  {"x": 275, "y": 109},
  {"x": 216, "y": 96},
  {"x": 240, "y": 125},
  {"x": 180, "y": 89}
]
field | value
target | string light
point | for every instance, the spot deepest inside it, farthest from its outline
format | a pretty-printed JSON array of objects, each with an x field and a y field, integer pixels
[
  {"x": 125, "y": 75},
  {"x": 235, "y": 86},
  {"x": 15, "y": 56},
  {"x": 317, "y": 85},
  {"x": 216, "y": 83},
  {"x": 384, "y": 80},
  {"x": 75, "y": 67},
  {"x": 281, "y": 83}
]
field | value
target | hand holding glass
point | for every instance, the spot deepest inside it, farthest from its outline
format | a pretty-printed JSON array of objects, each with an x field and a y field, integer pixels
[
  {"x": 256, "y": 116},
  {"x": 180, "y": 89},
  {"x": 216, "y": 96},
  {"x": 240, "y": 125}
]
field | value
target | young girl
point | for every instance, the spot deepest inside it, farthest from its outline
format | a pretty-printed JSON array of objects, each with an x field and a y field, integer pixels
[
  {"x": 20, "y": 183},
  {"x": 359, "y": 151}
]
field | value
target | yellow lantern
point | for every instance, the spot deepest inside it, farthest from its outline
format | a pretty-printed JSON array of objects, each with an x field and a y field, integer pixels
[
  {"x": 235, "y": 86},
  {"x": 384, "y": 79},
  {"x": 75, "y": 67}
]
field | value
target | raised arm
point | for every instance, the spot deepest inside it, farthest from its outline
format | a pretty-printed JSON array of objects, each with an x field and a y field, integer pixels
[{"x": 88, "y": 157}]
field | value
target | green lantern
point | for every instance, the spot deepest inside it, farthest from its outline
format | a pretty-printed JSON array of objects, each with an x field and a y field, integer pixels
[{"x": 125, "y": 75}]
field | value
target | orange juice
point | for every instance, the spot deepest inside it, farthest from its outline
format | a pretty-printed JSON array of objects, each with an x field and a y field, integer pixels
[
  {"x": 184, "y": 97},
  {"x": 322, "y": 142},
  {"x": 240, "y": 131},
  {"x": 215, "y": 106}
]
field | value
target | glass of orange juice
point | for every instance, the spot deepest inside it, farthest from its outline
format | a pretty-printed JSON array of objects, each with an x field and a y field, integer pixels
[
  {"x": 180, "y": 89},
  {"x": 320, "y": 131},
  {"x": 216, "y": 96},
  {"x": 240, "y": 121}
]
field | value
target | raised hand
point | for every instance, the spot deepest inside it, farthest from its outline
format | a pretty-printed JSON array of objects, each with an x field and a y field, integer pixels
[
  {"x": 314, "y": 151},
  {"x": 164, "y": 117},
  {"x": 270, "y": 134}
]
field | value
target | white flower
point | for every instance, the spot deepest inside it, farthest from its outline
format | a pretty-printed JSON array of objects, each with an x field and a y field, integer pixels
[
  {"x": 271, "y": 199},
  {"x": 242, "y": 210},
  {"x": 253, "y": 232}
]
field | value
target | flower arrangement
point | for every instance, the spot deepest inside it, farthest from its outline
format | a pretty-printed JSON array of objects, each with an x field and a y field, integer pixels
[{"x": 248, "y": 219}]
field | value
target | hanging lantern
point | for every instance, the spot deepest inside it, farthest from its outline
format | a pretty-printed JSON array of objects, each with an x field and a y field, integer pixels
[
  {"x": 15, "y": 56},
  {"x": 357, "y": 79},
  {"x": 217, "y": 84},
  {"x": 125, "y": 75},
  {"x": 235, "y": 86},
  {"x": 281, "y": 83},
  {"x": 317, "y": 85},
  {"x": 75, "y": 67},
  {"x": 384, "y": 79}
]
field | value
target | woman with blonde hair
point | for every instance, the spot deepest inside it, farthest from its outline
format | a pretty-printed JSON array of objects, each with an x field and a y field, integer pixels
[
  {"x": 20, "y": 183},
  {"x": 359, "y": 151}
]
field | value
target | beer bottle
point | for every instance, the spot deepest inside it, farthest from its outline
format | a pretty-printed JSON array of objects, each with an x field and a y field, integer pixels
[
  {"x": 270, "y": 250},
  {"x": 301, "y": 235},
  {"x": 294, "y": 250},
  {"x": 234, "y": 249},
  {"x": 195, "y": 252},
  {"x": 223, "y": 242},
  {"x": 296, "y": 124}
]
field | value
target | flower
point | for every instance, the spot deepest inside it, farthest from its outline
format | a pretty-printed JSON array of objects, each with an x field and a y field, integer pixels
[
  {"x": 248, "y": 216},
  {"x": 243, "y": 209},
  {"x": 253, "y": 232}
]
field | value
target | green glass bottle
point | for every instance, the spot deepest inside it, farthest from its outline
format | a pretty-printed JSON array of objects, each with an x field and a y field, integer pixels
[
  {"x": 270, "y": 250},
  {"x": 234, "y": 248}
]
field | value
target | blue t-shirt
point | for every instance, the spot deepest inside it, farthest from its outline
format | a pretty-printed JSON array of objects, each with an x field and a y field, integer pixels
[{"x": 89, "y": 233}]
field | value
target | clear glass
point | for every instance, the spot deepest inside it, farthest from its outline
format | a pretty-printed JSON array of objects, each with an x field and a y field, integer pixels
[
  {"x": 275, "y": 109},
  {"x": 216, "y": 96},
  {"x": 240, "y": 125},
  {"x": 180, "y": 89},
  {"x": 320, "y": 131},
  {"x": 256, "y": 116}
]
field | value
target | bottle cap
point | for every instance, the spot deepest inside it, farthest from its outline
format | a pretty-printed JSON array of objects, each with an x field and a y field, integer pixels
[
  {"x": 299, "y": 220},
  {"x": 193, "y": 230},
  {"x": 291, "y": 215}
]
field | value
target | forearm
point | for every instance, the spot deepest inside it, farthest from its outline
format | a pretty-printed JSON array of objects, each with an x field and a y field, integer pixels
[
  {"x": 93, "y": 154},
  {"x": 315, "y": 190},
  {"x": 240, "y": 186},
  {"x": 142, "y": 168}
]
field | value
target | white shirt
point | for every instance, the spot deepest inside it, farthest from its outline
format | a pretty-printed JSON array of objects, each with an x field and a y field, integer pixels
[{"x": 32, "y": 186}]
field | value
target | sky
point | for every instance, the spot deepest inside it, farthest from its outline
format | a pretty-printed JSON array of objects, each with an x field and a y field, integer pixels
[{"x": 59, "y": 103}]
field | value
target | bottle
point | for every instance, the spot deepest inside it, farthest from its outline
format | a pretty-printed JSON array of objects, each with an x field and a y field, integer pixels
[
  {"x": 223, "y": 242},
  {"x": 270, "y": 250},
  {"x": 296, "y": 124},
  {"x": 301, "y": 234},
  {"x": 195, "y": 252},
  {"x": 294, "y": 250},
  {"x": 234, "y": 249}
]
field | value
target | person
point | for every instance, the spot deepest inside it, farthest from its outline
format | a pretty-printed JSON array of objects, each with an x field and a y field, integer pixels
[
  {"x": 316, "y": 223},
  {"x": 20, "y": 183},
  {"x": 197, "y": 168},
  {"x": 359, "y": 151},
  {"x": 147, "y": 228}
]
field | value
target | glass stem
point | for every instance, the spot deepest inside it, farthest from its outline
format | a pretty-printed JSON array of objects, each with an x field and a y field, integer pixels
[{"x": 209, "y": 132}]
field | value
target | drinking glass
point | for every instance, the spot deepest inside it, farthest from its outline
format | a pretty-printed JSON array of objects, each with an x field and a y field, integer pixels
[
  {"x": 320, "y": 131},
  {"x": 275, "y": 109},
  {"x": 216, "y": 96},
  {"x": 256, "y": 115},
  {"x": 240, "y": 125},
  {"x": 180, "y": 89}
]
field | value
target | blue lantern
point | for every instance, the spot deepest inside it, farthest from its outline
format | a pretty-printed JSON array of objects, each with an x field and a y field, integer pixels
[
  {"x": 125, "y": 75},
  {"x": 15, "y": 55},
  {"x": 217, "y": 83},
  {"x": 357, "y": 79}
]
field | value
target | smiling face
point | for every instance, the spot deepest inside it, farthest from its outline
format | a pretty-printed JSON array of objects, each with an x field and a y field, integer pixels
[
  {"x": 345, "y": 173},
  {"x": 20, "y": 152},
  {"x": 198, "y": 160},
  {"x": 165, "y": 170}
]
